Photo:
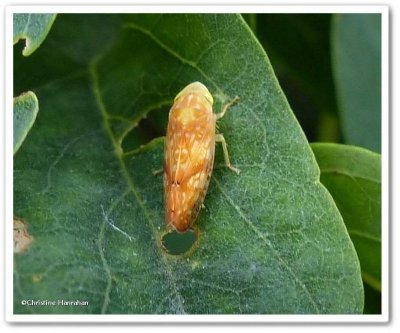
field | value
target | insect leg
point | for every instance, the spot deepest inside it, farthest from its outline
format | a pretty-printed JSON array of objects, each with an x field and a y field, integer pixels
[
  {"x": 220, "y": 138},
  {"x": 226, "y": 107}
]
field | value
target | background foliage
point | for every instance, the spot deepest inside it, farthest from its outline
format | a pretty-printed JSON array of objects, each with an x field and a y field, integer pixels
[{"x": 330, "y": 69}]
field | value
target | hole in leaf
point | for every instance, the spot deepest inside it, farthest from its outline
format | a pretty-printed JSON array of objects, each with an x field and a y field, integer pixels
[
  {"x": 176, "y": 243},
  {"x": 152, "y": 126}
]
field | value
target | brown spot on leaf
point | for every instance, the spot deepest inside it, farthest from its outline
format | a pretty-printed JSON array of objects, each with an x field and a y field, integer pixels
[
  {"x": 37, "y": 277},
  {"x": 22, "y": 239}
]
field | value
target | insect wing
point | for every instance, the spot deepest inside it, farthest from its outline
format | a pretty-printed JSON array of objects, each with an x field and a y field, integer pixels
[{"x": 189, "y": 156}]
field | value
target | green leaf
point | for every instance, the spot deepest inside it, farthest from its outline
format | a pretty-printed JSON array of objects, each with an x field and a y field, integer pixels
[
  {"x": 353, "y": 177},
  {"x": 26, "y": 107},
  {"x": 356, "y": 58},
  {"x": 269, "y": 241},
  {"x": 33, "y": 28}
]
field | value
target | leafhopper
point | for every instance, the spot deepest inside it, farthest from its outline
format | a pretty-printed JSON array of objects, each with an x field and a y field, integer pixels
[{"x": 189, "y": 154}]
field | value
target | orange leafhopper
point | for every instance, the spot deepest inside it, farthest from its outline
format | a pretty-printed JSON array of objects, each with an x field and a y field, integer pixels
[{"x": 189, "y": 154}]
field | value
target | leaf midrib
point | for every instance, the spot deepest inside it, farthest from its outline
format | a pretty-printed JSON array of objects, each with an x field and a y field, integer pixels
[{"x": 131, "y": 186}]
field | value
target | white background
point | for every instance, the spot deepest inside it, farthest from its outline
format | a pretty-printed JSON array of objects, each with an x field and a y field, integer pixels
[{"x": 394, "y": 90}]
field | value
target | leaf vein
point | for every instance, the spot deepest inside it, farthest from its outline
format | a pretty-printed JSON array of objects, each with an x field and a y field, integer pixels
[
  {"x": 57, "y": 160},
  {"x": 268, "y": 243},
  {"x": 364, "y": 235},
  {"x": 175, "y": 54},
  {"x": 336, "y": 171}
]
